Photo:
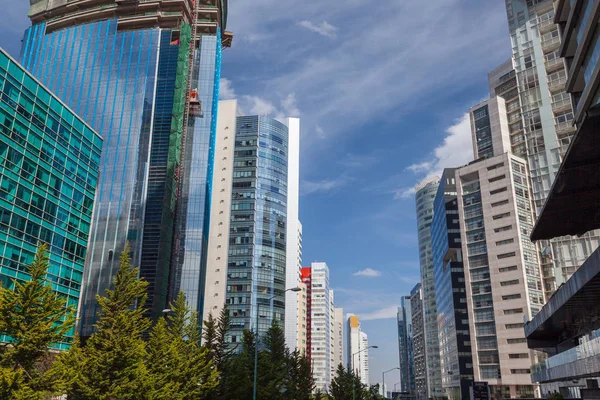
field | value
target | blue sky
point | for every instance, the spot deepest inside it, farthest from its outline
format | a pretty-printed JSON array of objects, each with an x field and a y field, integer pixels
[{"x": 382, "y": 88}]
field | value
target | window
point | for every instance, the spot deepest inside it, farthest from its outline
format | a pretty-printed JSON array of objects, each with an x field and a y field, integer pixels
[
  {"x": 500, "y": 216},
  {"x": 514, "y": 326},
  {"x": 518, "y": 355},
  {"x": 496, "y": 191},
  {"x": 509, "y": 283},
  {"x": 503, "y": 228},
  {"x": 506, "y": 255},
  {"x": 503, "y": 242},
  {"x": 517, "y": 340},
  {"x": 500, "y": 203},
  {"x": 520, "y": 371},
  {"x": 513, "y": 311},
  {"x": 507, "y": 269},
  {"x": 511, "y": 296},
  {"x": 496, "y": 178},
  {"x": 495, "y": 166}
]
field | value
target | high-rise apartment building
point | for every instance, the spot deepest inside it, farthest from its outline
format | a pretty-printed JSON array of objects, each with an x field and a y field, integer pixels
[
  {"x": 502, "y": 270},
  {"x": 546, "y": 123},
  {"x": 49, "y": 166},
  {"x": 332, "y": 334},
  {"x": 419, "y": 358},
  {"x": 220, "y": 213},
  {"x": 257, "y": 239},
  {"x": 320, "y": 321},
  {"x": 425, "y": 194},
  {"x": 305, "y": 277},
  {"x": 303, "y": 318},
  {"x": 453, "y": 320},
  {"x": 146, "y": 78},
  {"x": 364, "y": 358},
  {"x": 338, "y": 339},
  {"x": 357, "y": 354},
  {"x": 293, "y": 234},
  {"x": 405, "y": 346}
]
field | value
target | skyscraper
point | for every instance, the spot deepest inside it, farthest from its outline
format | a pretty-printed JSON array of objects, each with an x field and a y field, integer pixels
[
  {"x": 320, "y": 321},
  {"x": 220, "y": 213},
  {"x": 147, "y": 80},
  {"x": 419, "y": 358},
  {"x": 303, "y": 319},
  {"x": 358, "y": 353},
  {"x": 547, "y": 123},
  {"x": 453, "y": 319},
  {"x": 256, "y": 274},
  {"x": 293, "y": 234},
  {"x": 405, "y": 346},
  {"x": 49, "y": 162},
  {"x": 425, "y": 194},
  {"x": 338, "y": 338},
  {"x": 503, "y": 283}
]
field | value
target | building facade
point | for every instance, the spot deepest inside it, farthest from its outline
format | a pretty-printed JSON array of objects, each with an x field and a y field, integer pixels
[
  {"x": 293, "y": 234},
  {"x": 320, "y": 322},
  {"x": 547, "y": 122},
  {"x": 425, "y": 194},
  {"x": 364, "y": 358},
  {"x": 257, "y": 244},
  {"x": 502, "y": 270},
  {"x": 303, "y": 318},
  {"x": 405, "y": 346},
  {"x": 419, "y": 358},
  {"x": 338, "y": 339},
  {"x": 220, "y": 213},
  {"x": 453, "y": 319},
  {"x": 130, "y": 72},
  {"x": 49, "y": 167},
  {"x": 305, "y": 277},
  {"x": 357, "y": 352}
]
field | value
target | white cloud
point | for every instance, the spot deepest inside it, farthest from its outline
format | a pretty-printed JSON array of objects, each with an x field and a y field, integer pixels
[
  {"x": 323, "y": 29},
  {"x": 404, "y": 193},
  {"x": 255, "y": 105},
  {"x": 289, "y": 106},
  {"x": 226, "y": 91},
  {"x": 368, "y": 273},
  {"x": 416, "y": 168},
  {"x": 325, "y": 185},
  {"x": 383, "y": 313}
]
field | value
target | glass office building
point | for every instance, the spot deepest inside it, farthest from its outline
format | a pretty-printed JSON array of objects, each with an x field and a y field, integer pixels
[
  {"x": 453, "y": 321},
  {"x": 49, "y": 162},
  {"x": 405, "y": 346},
  {"x": 257, "y": 243},
  {"x": 125, "y": 71}
]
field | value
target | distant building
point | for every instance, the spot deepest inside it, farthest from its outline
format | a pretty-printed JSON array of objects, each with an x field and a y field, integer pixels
[
  {"x": 451, "y": 299},
  {"x": 364, "y": 358},
  {"x": 419, "y": 358},
  {"x": 320, "y": 321},
  {"x": 357, "y": 349},
  {"x": 48, "y": 176},
  {"x": 303, "y": 319},
  {"x": 405, "y": 346},
  {"x": 338, "y": 339}
]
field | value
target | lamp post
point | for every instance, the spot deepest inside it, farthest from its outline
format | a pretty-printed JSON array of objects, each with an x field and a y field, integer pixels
[
  {"x": 354, "y": 368},
  {"x": 295, "y": 289},
  {"x": 383, "y": 380}
]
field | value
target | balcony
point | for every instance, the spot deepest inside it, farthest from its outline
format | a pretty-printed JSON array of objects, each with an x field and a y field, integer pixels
[
  {"x": 550, "y": 45},
  {"x": 546, "y": 26},
  {"x": 554, "y": 65},
  {"x": 557, "y": 85},
  {"x": 561, "y": 105},
  {"x": 565, "y": 128}
]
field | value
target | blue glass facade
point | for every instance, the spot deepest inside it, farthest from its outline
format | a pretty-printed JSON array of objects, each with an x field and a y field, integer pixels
[
  {"x": 130, "y": 87},
  {"x": 453, "y": 320},
  {"x": 49, "y": 165},
  {"x": 405, "y": 346},
  {"x": 257, "y": 243}
]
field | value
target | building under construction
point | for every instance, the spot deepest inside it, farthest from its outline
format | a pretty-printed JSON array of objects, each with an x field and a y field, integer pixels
[{"x": 145, "y": 75}]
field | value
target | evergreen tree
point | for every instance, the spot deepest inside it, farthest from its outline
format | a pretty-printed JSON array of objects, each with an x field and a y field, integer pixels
[
  {"x": 346, "y": 385},
  {"x": 272, "y": 363},
  {"x": 300, "y": 383},
  {"x": 34, "y": 317},
  {"x": 111, "y": 365},
  {"x": 238, "y": 371}
]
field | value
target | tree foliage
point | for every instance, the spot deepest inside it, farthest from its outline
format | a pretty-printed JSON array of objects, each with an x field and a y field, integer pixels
[
  {"x": 32, "y": 317},
  {"x": 346, "y": 385}
]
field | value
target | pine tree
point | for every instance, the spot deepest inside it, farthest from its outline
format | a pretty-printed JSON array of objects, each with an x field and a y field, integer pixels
[
  {"x": 238, "y": 371},
  {"x": 34, "y": 317},
  {"x": 346, "y": 385},
  {"x": 299, "y": 380},
  {"x": 272, "y": 364},
  {"x": 111, "y": 365}
]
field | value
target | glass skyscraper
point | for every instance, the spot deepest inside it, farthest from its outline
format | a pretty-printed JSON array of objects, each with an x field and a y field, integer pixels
[
  {"x": 405, "y": 346},
  {"x": 49, "y": 161},
  {"x": 453, "y": 321},
  {"x": 257, "y": 242},
  {"x": 125, "y": 71}
]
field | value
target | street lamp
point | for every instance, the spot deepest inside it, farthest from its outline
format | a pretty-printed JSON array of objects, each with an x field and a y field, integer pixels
[
  {"x": 295, "y": 289},
  {"x": 383, "y": 380},
  {"x": 354, "y": 367}
]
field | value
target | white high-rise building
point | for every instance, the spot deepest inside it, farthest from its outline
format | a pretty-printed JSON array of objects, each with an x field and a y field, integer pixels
[
  {"x": 338, "y": 339},
  {"x": 320, "y": 318},
  {"x": 220, "y": 213},
  {"x": 358, "y": 353},
  {"x": 364, "y": 359},
  {"x": 294, "y": 235}
]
